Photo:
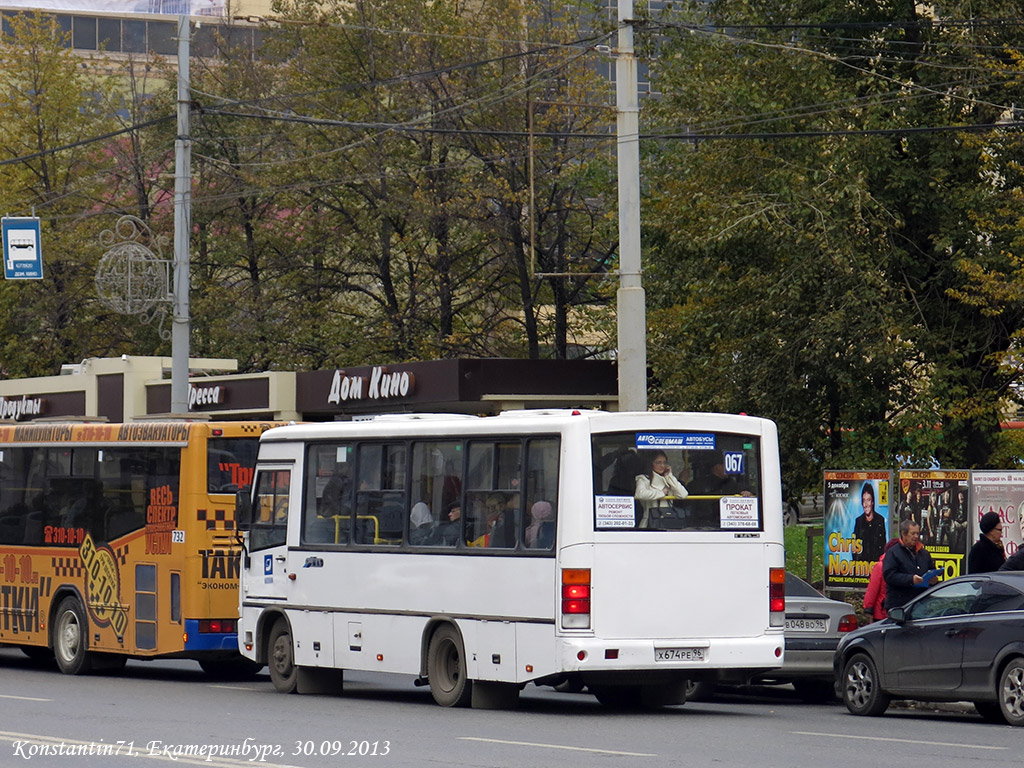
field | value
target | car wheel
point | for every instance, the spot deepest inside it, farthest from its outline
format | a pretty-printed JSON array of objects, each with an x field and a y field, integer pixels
[
  {"x": 862, "y": 692},
  {"x": 1011, "y": 692},
  {"x": 989, "y": 711},
  {"x": 281, "y": 658},
  {"x": 446, "y": 668}
]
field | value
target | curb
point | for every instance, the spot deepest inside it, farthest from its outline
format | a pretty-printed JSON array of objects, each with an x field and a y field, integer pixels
[{"x": 961, "y": 707}]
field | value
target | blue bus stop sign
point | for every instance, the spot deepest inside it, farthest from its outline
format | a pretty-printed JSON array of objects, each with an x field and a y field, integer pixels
[{"x": 23, "y": 253}]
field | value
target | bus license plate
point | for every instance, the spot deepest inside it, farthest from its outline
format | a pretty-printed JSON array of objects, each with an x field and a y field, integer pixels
[
  {"x": 806, "y": 625},
  {"x": 679, "y": 654}
]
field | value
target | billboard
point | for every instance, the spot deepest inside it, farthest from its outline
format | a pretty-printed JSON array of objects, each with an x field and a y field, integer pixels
[
  {"x": 856, "y": 524},
  {"x": 939, "y": 502},
  {"x": 1001, "y": 492}
]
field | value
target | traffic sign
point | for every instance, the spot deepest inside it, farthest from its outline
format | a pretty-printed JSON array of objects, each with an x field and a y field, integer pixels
[{"x": 23, "y": 253}]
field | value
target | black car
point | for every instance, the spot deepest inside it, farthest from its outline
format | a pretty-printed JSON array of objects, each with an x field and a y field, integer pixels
[{"x": 961, "y": 640}]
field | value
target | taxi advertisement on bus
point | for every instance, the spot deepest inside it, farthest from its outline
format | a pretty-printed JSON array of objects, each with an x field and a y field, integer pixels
[{"x": 119, "y": 540}]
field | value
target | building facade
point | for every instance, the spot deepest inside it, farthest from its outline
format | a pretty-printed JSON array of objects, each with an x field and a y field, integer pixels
[{"x": 133, "y": 388}]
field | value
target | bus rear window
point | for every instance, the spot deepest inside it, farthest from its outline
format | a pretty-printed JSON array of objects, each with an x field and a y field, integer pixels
[
  {"x": 230, "y": 462},
  {"x": 677, "y": 481}
]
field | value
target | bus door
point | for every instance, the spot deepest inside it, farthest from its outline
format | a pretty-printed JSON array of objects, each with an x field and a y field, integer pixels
[{"x": 268, "y": 550}]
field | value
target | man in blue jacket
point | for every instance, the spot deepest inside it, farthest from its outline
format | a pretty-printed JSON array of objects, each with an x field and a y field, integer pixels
[{"x": 905, "y": 566}]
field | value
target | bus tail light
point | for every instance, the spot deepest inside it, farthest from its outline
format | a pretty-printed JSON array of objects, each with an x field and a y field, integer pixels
[
  {"x": 777, "y": 597},
  {"x": 576, "y": 598},
  {"x": 218, "y": 626}
]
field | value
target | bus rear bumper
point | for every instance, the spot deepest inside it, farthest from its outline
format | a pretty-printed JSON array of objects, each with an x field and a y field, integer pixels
[
  {"x": 208, "y": 641},
  {"x": 696, "y": 654}
]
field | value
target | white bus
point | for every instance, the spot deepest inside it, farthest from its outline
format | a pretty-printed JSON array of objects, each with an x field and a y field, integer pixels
[{"x": 484, "y": 553}]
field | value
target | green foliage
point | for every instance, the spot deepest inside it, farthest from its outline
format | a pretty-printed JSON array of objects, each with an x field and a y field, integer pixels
[
  {"x": 796, "y": 538},
  {"x": 361, "y": 188},
  {"x": 50, "y": 102},
  {"x": 857, "y": 288}
]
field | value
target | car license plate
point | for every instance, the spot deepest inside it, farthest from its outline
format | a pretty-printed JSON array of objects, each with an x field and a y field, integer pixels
[
  {"x": 679, "y": 654},
  {"x": 806, "y": 625}
]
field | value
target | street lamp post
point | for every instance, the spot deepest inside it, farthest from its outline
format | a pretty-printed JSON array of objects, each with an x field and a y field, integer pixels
[
  {"x": 182, "y": 229},
  {"x": 632, "y": 313}
]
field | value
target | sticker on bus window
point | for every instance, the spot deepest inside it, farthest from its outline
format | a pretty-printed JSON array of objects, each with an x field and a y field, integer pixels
[
  {"x": 615, "y": 511},
  {"x": 694, "y": 441},
  {"x": 737, "y": 512},
  {"x": 733, "y": 463}
]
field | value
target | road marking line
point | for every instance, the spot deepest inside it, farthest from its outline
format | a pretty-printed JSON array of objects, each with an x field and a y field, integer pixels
[
  {"x": 557, "y": 746},
  {"x": 140, "y": 752},
  {"x": 23, "y": 698},
  {"x": 898, "y": 741}
]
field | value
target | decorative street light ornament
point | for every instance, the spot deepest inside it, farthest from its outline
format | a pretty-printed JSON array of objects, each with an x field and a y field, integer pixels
[{"x": 132, "y": 278}]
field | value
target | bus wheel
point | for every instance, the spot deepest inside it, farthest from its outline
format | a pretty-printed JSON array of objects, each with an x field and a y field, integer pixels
[
  {"x": 70, "y": 638},
  {"x": 281, "y": 658},
  {"x": 231, "y": 668},
  {"x": 446, "y": 668}
]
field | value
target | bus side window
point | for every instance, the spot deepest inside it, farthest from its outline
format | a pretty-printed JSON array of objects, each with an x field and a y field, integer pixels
[
  {"x": 381, "y": 512},
  {"x": 270, "y": 526},
  {"x": 328, "y": 512},
  {"x": 541, "y": 486}
]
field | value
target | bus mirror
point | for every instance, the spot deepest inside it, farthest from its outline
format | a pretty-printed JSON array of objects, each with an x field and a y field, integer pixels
[{"x": 243, "y": 509}]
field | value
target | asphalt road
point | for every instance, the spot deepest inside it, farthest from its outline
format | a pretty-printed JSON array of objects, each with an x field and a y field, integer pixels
[{"x": 169, "y": 712}]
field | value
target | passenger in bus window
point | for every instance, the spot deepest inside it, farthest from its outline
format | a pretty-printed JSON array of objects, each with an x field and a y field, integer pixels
[
  {"x": 421, "y": 524},
  {"x": 540, "y": 533},
  {"x": 448, "y": 533},
  {"x": 479, "y": 520},
  {"x": 711, "y": 479},
  {"x": 503, "y": 508},
  {"x": 336, "y": 499},
  {"x": 90, "y": 510},
  {"x": 658, "y": 487}
]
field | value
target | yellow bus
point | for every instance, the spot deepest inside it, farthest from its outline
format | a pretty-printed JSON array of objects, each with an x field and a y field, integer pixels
[{"x": 119, "y": 541}]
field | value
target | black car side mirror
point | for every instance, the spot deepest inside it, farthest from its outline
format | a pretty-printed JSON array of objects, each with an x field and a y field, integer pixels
[{"x": 898, "y": 615}]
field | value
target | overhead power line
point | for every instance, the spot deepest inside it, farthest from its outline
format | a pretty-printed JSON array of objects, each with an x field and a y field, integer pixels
[{"x": 84, "y": 142}]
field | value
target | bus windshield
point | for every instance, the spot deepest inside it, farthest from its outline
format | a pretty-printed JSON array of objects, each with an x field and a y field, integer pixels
[{"x": 677, "y": 481}]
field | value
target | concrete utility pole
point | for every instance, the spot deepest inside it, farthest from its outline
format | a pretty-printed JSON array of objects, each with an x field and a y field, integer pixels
[
  {"x": 632, "y": 312},
  {"x": 182, "y": 229}
]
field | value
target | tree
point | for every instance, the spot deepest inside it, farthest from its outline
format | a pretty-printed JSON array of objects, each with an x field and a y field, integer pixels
[
  {"x": 387, "y": 146},
  {"x": 52, "y": 110},
  {"x": 820, "y": 280}
]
